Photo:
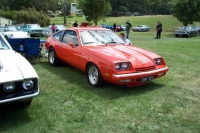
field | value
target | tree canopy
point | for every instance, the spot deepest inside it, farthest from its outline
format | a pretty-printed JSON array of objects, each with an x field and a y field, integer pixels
[
  {"x": 186, "y": 11},
  {"x": 95, "y": 10}
]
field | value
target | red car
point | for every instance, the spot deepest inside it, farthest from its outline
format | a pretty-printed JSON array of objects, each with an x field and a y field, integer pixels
[{"x": 104, "y": 56}]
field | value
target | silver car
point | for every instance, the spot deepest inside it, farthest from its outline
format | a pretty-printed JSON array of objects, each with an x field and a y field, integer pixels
[{"x": 186, "y": 31}]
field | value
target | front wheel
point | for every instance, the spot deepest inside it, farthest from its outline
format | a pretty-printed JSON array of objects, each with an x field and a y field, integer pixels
[{"x": 94, "y": 76}]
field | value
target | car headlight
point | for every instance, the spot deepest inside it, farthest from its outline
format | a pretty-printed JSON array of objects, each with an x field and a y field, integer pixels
[
  {"x": 28, "y": 34},
  {"x": 28, "y": 84},
  {"x": 157, "y": 61},
  {"x": 11, "y": 35},
  {"x": 9, "y": 87},
  {"x": 122, "y": 65}
]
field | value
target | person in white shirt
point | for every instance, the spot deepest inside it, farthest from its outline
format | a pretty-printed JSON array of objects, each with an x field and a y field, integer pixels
[{"x": 127, "y": 41}]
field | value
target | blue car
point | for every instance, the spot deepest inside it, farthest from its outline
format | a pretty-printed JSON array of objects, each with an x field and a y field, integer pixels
[
  {"x": 107, "y": 26},
  {"x": 33, "y": 29}
]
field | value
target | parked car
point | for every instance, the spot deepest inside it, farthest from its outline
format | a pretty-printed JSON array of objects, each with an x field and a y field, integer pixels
[
  {"x": 34, "y": 30},
  {"x": 19, "y": 81},
  {"x": 104, "y": 56},
  {"x": 107, "y": 26},
  {"x": 58, "y": 27},
  {"x": 141, "y": 28},
  {"x": 13, "y": 32},
  {"x": 186, "y": 31},
  {"x": 119, "y": 28},
  {"x": 123, "y": 27}
]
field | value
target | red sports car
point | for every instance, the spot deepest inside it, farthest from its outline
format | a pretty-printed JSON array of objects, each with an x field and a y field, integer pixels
[{"x": 104, "y": 56}]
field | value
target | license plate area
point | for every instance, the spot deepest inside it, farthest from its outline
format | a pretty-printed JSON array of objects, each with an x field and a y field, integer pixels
[{"x": 146, "y": 79}]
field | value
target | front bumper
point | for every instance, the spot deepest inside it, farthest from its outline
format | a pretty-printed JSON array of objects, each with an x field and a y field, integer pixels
[
  {"x": 20, "y": 98},
  {"x": 135, "y": 78}
]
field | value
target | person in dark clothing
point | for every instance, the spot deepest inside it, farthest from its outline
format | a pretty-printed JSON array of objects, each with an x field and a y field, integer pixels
[
  {"x": 75, "y": 24},
  {"x": 114, "y": 27},
  {"x": 158, "y": 29},
  {"x": 128, "y": 27}
]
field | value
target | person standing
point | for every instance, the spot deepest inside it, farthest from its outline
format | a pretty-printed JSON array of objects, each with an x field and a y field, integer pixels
[
  {"x": 114, "y": 27},
  {"x": 128, "y": 27},
  {"x": 75, "y": 24},
  {"x": 53, "y": 28},
  {"x": 127, "y": 41},
  {"x": 158, "y": 30}
]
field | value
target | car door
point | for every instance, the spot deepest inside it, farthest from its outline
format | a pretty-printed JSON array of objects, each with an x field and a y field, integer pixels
[{"x": 71, "y": 53}]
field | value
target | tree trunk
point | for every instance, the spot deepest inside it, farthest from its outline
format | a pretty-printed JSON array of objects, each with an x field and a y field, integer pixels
[{"x": 65, "y": 8}]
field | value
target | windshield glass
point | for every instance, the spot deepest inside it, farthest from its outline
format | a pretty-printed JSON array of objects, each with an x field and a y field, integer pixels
[
  {"x": 99, "y": 37},
  {"x": 34, "y": 26},
  {"x": 11, "y": 28},
  {"x": 3, "y": 44}
]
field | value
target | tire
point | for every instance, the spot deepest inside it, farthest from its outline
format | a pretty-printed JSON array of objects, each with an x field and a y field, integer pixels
[
  {"x": 52, "y": 57},
  {"x": 189, "y": 35},
  {"x": 6, "y": 37},
  {"x": 94, "y": 76},
  {"x": 176, "y": 35}
]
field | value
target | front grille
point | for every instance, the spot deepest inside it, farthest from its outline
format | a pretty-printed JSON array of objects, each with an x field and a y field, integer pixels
[
  {"x": 37, "y": 30},
  {"x": 144, "y": 69}
]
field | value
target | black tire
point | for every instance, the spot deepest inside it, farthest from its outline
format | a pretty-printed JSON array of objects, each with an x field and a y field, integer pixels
[
  {"x": 6, "y": 37},
  {"x": 52, "y": 57},
  {"x": 94, "y": 76},
  {"x": 189, "y": 35},
  {"x": 176, "y": 35}
]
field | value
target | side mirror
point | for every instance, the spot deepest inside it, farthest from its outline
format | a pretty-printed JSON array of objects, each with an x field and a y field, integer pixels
[{"x": 71, "y": 44}]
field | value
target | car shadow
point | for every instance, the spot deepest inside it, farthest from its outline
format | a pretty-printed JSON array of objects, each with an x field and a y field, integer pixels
[
  {"x": 13, "y": 115},
  {"x": 108, "y": 91}
]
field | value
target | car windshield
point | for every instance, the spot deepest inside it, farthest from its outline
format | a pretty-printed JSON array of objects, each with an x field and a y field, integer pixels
[
  {"x": 11, "y": 28},
  {"x": 34, "y": 26},
  {"x": 3, "y": 44},
  {"x": 185, "y": 28},
  {"x": 99, "y": 37}
]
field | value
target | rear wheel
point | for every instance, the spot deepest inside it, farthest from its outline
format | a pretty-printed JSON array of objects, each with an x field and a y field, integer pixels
[
  {"x": 52, "y": 57},
  {"x": 94, "y": 76}
]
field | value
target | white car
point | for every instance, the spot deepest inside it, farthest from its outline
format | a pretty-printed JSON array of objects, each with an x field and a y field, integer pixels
[
  {"x": 13, "y": 32},
  {"x": 19, "y": 82}
]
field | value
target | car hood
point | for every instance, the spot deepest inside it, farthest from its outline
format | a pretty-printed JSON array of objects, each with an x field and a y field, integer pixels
[
  {"x": 183, "y": 30},
  {"x": 14, "y": 67},
  {"x": 125, "y": 53}
]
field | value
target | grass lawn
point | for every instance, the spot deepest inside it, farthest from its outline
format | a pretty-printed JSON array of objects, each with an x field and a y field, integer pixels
[{"x": 68, "y": 104}]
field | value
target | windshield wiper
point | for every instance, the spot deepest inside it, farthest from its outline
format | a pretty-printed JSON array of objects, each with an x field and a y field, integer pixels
[
  {"x": 110, "y": 42},
  {"x": 90, "y": 42}
]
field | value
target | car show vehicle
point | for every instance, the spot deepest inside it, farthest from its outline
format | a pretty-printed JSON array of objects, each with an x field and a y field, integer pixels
[
  {"x": 141, "y": 28},
  {"x": 58, "y": 27},
  {"x": 187, "y": 31},
  {"x": 104, "y": 56},
  {"x": 34, "y": 30},
  {"x": 19, "y": 82},
  {"x": 13, "y": 32}
]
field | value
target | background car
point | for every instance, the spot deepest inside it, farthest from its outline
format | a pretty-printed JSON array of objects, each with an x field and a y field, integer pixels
[
  {"x": 123, "y": 27},
  {"x": 186, "y": 31},
  {"x": 58, "y": 27},
  {"x": 13, "y": 32},
  {"x": 107, "y": 26},
  {"x": 141, "y": 28},
  {"x": 34, "y": 30},
  {"x": 19, "y": 81},
  {"x": 104, "y": 57}
]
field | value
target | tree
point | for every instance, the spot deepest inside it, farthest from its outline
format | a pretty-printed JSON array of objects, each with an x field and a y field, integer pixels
[
  {"x": 94, "y": 10},
  {"x": 186, "y": 11}
]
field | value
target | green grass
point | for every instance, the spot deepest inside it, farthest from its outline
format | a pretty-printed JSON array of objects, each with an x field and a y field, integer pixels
[
  {"x": 68, "y": 104},
  {"x": 169, "y": 22}
]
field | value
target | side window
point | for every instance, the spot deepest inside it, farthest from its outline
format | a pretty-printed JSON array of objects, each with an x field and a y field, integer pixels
[
  {"x": 57, "y": 35},
  {"x": 70, "y": 36}
]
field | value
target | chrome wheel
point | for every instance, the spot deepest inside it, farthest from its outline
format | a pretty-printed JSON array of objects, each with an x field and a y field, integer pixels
[
  {"x": 94, "y": 76},
  {"x": 51, "y": 57}
]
